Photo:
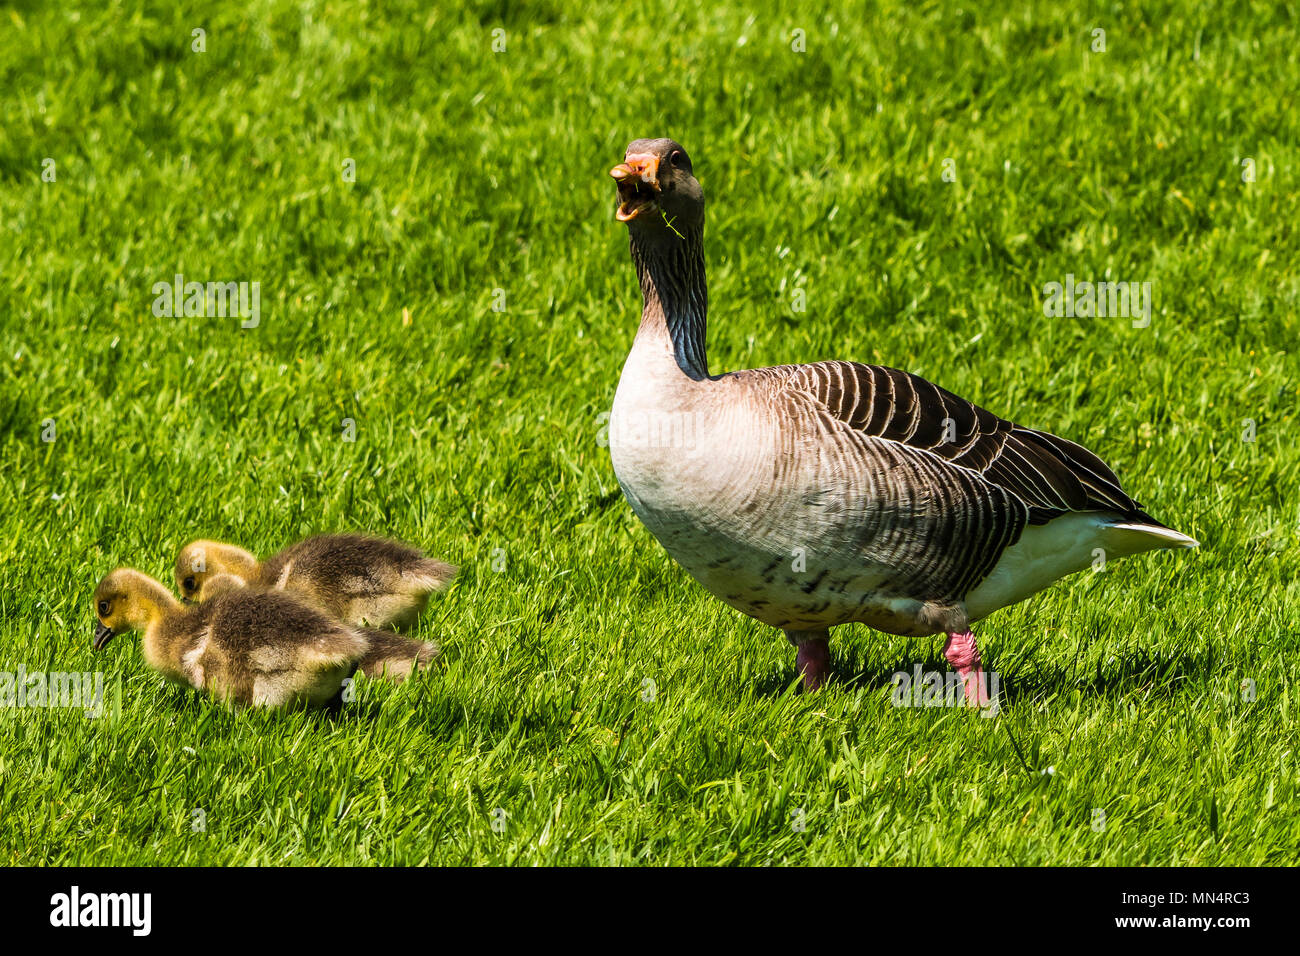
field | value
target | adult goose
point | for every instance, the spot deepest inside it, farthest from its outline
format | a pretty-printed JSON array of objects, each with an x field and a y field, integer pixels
[{"x": 808, "y": 496}]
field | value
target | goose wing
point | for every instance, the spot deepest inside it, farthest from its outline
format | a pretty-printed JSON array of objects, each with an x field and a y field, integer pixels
[
  {"x": 958, "y": 484},
  {"x": 1048, "y": 474}
]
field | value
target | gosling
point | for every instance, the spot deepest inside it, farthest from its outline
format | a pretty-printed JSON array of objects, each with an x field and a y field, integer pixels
[
  {"x": 248, "y": 646},
  {"x": 390, "y": 655},
  {"x": 358, "y": 579}
]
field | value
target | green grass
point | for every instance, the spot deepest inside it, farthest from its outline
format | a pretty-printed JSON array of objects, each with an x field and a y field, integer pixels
[{"x": 477, "y": 430}]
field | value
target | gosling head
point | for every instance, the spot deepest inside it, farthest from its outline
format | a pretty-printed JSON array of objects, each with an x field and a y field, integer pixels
[
  {"x": 200, "y": 560},
  {"x": 127, "y": 600},
  {"x": 658, "y": 195}
]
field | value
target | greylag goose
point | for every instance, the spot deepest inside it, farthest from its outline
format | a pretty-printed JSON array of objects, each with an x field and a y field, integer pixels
[
  {"x": 364, "y": 581},
  {"x": 248, "y": 645},
  {"x": 809, "y": 496}
]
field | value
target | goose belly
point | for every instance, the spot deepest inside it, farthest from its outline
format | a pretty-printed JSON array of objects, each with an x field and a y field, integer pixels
[
  {"x": 810, "y": 585},
  {"x": 789, "y": 592},
  {"x": 790, "y": 546}
]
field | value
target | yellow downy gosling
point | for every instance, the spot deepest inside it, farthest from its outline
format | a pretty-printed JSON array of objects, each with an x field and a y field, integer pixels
[
  {"x": 247, "y": 646},
  {"x": 361, "y": 580}
]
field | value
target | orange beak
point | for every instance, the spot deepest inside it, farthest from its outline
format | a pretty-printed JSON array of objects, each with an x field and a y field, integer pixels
[{"x": 638, "y": 181}]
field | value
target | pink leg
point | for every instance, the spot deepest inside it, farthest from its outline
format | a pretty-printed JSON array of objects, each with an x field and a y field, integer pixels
[
  {"x": 964, "y": 656},
  {"x": 814, "y": 657}
]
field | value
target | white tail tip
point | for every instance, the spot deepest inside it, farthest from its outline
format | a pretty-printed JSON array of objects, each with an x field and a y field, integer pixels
[{"x": 1169, "y": 538}]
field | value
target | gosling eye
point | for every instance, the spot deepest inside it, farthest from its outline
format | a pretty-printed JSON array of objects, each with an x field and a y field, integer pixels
[
  {"x": 675, "y": 159},
  {"x": 103, "y": 609},
  {"x": 188, "y": 584}
]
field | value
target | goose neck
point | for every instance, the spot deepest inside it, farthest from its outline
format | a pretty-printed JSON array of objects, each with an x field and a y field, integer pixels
[{"x": 674, "y": 295}]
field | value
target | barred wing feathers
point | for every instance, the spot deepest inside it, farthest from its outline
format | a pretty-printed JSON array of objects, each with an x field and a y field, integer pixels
[{"x": 980, "y": 478}]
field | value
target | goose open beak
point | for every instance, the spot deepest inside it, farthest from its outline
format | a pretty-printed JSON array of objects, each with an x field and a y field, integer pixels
[
  {"x": 103, "y": 634},
  {"x": 638, "y": 184}
]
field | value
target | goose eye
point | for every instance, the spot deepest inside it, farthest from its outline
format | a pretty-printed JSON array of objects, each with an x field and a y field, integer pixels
[
  {"x": 103, "y": 608},
  {"x": 188, "y": 584}
]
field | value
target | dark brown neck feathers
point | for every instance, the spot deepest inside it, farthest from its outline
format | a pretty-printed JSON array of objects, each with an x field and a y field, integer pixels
[{"x": 675, "y": 294}]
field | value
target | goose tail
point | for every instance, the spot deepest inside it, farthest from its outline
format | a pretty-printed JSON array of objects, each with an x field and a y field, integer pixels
[
  {"x": 1151, "y": 535},
  {"x": 430, "y": 574},
  {"x": 393, "y": 656}
]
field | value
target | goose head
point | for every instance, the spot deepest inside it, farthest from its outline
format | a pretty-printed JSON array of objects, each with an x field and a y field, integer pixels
[
  {"x": 127, "y": 600},
  {"x": 658, "y": 194},
  {"x": 200, "y": 560}
]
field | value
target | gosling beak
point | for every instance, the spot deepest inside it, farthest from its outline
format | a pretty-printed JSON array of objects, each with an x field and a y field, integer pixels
[
  {"x": 638, "y": 183},
  {"x": 103, "y": 634}
]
